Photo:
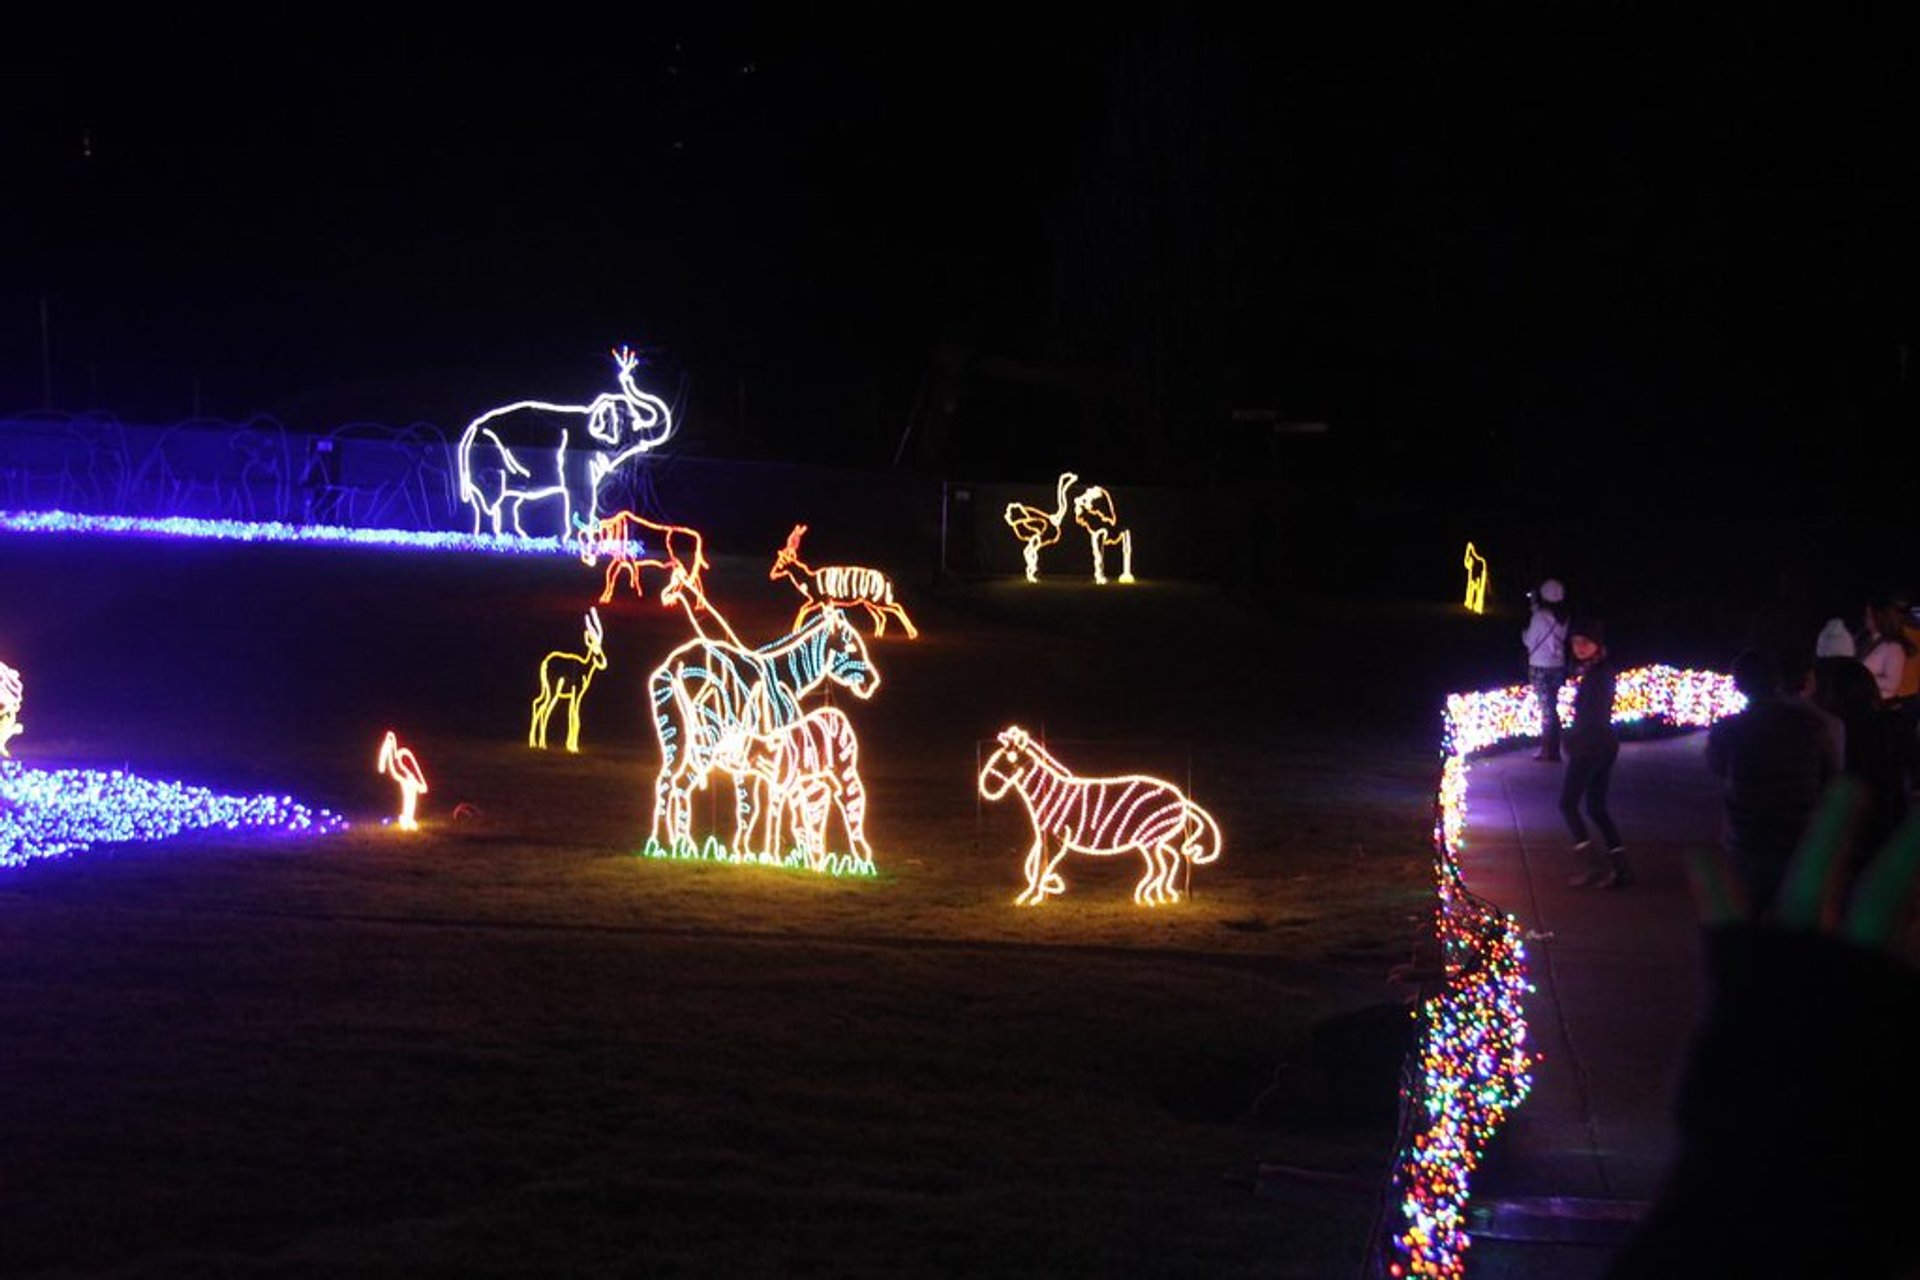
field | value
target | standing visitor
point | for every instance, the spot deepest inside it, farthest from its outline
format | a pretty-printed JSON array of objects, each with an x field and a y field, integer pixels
[
  {"x": 1773, "y": 760},
  {"x": 1545, "y": 641},
  {"x": 1591, "y": 749},
  {"x": 1884, "y": 647}
]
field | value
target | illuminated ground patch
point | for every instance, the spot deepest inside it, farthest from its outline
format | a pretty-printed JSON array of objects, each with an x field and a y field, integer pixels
[{"x": 52, "y": 813}]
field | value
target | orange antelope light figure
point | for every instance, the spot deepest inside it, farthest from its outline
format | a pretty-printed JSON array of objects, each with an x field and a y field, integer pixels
[
  {"x": 1037, "y": 528},
  {"x": 403, "y": 767},
  {"x": 11, "y": 691},
  {"x": 840, "y": 586},
  {"x": 682, "y": 553},
  {"x": 1093, "y": 511},
  {"x": 1476, "y": 566},
  {"x": 564, "y": 677},
  {"x": 1098, "y": 816}
]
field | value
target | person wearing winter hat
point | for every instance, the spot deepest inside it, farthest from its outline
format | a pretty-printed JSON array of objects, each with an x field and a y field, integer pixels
[
  {"x": 1834, "y": 640},
  {"x": 1592, "y": 747},
  {"x": 1545, "y": 640}
]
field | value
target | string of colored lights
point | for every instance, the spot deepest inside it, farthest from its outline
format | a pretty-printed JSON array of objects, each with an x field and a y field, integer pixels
[
  {"x": 53, "y": 813},
  {"x": 713, "y": 849},
  {"x": 67, "y": 522},
  {"x": 1473, "y": 1067}
]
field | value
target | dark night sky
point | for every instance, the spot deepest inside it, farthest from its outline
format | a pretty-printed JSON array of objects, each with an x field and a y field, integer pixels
[{"x": 1517, "y": 234}]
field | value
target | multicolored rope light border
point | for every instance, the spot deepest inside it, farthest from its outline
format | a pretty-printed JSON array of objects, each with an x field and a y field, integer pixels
[{"x": 1472, "y": 1067}]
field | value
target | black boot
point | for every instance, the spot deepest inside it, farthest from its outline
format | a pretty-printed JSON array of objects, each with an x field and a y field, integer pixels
[{"x": 1618, "y": 875}]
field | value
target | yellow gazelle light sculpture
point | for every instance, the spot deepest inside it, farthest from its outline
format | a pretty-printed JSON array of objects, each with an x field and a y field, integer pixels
[
  {"x": 11, "y": 691},
  {"x": 1476, "y": 566},
  {"x": 1098, "y": 816},
  {"x": 400, "y": 764},
  {"x": 841, "y": 586},
  {"x": 1093, "y": 511},
  {"x": 564, "y": 677}
]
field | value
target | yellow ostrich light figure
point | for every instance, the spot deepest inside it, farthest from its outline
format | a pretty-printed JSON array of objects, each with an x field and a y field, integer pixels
[
  {"x": 1037, "y": 528},
  {"x": 11, "y": 691},
  {"x": 1093, "y": 511},
  {"x": 839, "y": 586},
  {"x": 1098, "y": 816},
  {"x": 1476, "y": 566},
  {"x": 403, "y": 767},
  {"x": 564, "y": 677}
]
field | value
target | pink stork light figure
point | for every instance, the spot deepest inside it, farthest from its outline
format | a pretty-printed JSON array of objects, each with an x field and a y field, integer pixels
[{"x": 400, "y": 764}]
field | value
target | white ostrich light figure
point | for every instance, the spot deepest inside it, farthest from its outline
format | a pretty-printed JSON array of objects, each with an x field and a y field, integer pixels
[
  {"x": 1093, "y": 511},
  {"x": 1037, "y": 528}
]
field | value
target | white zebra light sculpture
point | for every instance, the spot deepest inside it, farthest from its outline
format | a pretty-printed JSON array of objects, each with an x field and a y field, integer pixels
[
  {"x": 1098, "y": 816},
  {"x": 708, "y": 694},
  {"x": 841, "y": 586}
]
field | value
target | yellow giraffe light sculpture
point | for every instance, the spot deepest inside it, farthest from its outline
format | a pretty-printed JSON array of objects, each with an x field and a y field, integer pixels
[
  {"x": 1476, "y": 566},
  {"x": 11, "y": 691},
  {"x": 1098, "y": 816},
  {"x": 564, "y": 677},
  {"x": 1093, "y": 511},
  {"x": 400, "y": 764}
]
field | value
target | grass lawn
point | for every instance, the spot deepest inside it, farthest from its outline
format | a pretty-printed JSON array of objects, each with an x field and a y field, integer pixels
[{"x": 508, "y": 1045}]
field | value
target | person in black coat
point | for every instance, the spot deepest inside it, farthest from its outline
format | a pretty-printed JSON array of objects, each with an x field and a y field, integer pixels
[{"x": 1591, "y": 747}]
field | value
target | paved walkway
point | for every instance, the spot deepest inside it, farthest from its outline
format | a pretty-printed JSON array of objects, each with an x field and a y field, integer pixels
[{"x": 1618, "y": 984}]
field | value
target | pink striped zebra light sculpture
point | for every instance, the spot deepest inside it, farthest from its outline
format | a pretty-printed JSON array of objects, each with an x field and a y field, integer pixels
[
  {"x": 1098, "y": 816},
  {"x": 809, "y": 769}
]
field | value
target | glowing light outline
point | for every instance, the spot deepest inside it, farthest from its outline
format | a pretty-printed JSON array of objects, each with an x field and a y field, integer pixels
[
  {"x": 1476, "y": 567},
  {"x": 604, "y": 416},
  {"x": 702, "y": 680},
  {"x": 1087, "y": 510},
  {"x": 840, "y": 586},
  {"x": 565, "y": 677},
  {"x": 400, "y": 764},
  {"x": 1036, "y": 528},
  {"x": 1081, "y": 813},
  {"x": 68, "y": 522},
  {"x": 809, "y": 770},
  {"x": 12, "y": 690}
]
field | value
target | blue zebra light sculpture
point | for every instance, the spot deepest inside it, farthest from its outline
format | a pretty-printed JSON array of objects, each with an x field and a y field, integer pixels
[{"x": 709, "y": 696}]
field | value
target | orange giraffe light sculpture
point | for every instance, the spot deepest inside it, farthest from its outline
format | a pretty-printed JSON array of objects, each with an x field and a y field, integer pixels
[
  {"x": 682, "y": 553},
  {"x": 841, "y": 586},
  {"x": 1099, "y": 816},
  {"x": 1037, "y": 528},
  {"x": 11, "y": 692},
  {"x": 1476, "y": 566},
  {"x": 1093, "y": 511},
  {"x": 403, "y": 767},
  {"x": 564, "y": 677}
]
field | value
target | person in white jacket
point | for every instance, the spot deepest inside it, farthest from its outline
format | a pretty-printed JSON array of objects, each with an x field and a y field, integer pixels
[{"x": 1545, "y": 640}]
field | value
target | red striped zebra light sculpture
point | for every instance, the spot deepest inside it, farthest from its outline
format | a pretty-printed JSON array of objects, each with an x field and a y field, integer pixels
[
  {"x": 840, "y": 586},
  {"x": 1098, "y": 816}
]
